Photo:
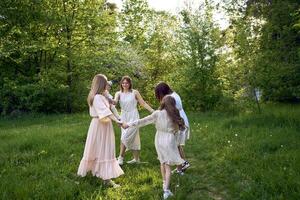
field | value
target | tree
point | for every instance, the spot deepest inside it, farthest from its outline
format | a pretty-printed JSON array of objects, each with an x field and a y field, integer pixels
[
  {"x": 50, "y": 50},
  {"x": 275, "y": 64},
  {"x": 198, "y": 57}
]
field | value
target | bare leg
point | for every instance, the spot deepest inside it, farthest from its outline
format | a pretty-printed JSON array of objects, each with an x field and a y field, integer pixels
[
  {"x": 163, "y": 174},
  {"x": 136, "y": 154},
  {"x": 167, "y": 176},
  {"x": 122, "y": 150},
  {"x": 182, "y": 155},
  {"x": 181, "y": 152}
]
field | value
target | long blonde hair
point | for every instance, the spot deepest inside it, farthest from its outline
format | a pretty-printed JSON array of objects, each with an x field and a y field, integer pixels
[{"x": 97, "y": 87}]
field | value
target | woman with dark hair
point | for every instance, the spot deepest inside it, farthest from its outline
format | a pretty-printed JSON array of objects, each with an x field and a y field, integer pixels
[
  {"x": 130, "y": 138},
  {"x": 168, "y": 124},
  {"x": 161, "y": 90}
]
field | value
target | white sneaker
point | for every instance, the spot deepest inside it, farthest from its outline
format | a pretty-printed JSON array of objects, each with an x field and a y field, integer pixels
[
  {"x": 179, "y": 172},
  {"x": 133, "y": 161},
  {"x": 111, "y": 183},
  {"x": 120, "y": 160},
  {"x": 167, "y": 194}
]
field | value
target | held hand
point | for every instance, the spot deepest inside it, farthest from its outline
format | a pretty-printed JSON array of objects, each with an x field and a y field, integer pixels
[
  {"x": 120, "y": 124},
  {"x": 124, "y": 125},
  {"x": 113, "y": 102}
]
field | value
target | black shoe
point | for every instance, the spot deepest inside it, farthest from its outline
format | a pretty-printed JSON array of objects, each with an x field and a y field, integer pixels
[{"x": 185, "y": 165}]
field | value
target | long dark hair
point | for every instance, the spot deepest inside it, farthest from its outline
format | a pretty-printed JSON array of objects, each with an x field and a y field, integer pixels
[
  {"x": 162, "y": 89},
  {"x": 169, "y": 104},
  {"x": 128, "y": 79}
]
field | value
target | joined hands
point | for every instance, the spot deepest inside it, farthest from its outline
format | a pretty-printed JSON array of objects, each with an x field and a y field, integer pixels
[{"x": 122, "y": 124}]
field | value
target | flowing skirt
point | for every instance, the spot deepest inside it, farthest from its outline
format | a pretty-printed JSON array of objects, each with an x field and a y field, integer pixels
[
  {"x": 130, "y": 137},
  {"x": 99, "y": 152},
  {"x": 166, "y": 148}
]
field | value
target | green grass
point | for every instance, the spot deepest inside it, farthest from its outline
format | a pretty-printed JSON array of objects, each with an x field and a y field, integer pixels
[{"x": 247, "y": 156}]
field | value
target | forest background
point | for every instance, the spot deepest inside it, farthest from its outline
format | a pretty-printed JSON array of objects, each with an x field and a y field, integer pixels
[{"x": 50, "y": 51}]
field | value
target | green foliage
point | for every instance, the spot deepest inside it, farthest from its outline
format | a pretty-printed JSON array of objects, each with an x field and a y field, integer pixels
[
  {"x": 151, "y": 35},
  {"x": 277, "y": 66},
  {"x": 160, "y": 52},
  {"x": 235, "y": 67},
  {"x": 134, "y": 22},
  {"x": 50, "y": 50},
  {"x": 197, "y": 57}
]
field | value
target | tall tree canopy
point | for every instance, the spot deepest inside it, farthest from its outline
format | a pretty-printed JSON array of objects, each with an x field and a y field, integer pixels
[{"x": 50, "y": 50}]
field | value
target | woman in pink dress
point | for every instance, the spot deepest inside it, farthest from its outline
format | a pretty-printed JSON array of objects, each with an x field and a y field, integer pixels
[{"x": 99, "y": 152}]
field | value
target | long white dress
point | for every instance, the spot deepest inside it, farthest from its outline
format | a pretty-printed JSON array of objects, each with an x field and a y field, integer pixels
[
  {"x": 130, "y": 137},
  {"x": 183, "y": 135},
  {"x": 165, "y": 137},
  {"x": 99, "y": 151}
]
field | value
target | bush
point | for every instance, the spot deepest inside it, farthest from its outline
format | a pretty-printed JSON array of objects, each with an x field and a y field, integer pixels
[{"x": 40, "y": 96}]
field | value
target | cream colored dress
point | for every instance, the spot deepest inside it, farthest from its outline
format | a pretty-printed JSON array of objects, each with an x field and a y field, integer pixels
[
  {"x": 99, "y": 151},
  {"x": 130, "y": 137},
  {"x": 183, "y": 135},
  {"x": 165, "y": 138}
]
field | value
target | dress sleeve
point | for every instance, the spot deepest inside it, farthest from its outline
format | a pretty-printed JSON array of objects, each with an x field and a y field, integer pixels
[
  {"x": 178, "y": 101},
  {"x": 150, "y": 119},
  {"x": 101, "y": 108},
  {"x": 117, "y": 97},
  {"x": 115, "y": 112}
]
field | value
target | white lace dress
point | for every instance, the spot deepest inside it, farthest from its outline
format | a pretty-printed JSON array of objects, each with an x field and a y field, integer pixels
[
  {"x": 165, "y": 138},
  {"x": 129, "y": 113}
]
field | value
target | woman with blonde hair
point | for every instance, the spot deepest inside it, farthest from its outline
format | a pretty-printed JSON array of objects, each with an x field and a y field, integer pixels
[
  {"x": 99, "y": 151},
  {"x": 130, "y": 138}
]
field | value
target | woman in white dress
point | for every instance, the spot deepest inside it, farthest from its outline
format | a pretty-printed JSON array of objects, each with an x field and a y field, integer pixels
[
  {"x": 168, "y": 124},
  {"x": 130, "y": 138},
  {"x": 161, "y": 90}
]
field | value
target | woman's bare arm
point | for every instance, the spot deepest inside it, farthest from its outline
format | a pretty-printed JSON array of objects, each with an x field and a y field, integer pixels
[{"x": 142, "y": 102}]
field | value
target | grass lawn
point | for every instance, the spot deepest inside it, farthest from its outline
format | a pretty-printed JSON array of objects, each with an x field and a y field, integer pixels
[{"x": 247, "y": 156}]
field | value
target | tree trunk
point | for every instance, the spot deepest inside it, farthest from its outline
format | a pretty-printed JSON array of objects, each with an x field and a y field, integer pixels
[{"x": 69, "y": 71}]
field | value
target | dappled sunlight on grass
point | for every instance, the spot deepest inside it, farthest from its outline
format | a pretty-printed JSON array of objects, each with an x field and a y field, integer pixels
[{"x": 250, "y": 156}]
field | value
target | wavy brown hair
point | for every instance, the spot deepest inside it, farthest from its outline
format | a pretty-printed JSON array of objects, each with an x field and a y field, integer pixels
[
  {"x": 162, "y": 89},
  {"x": 98, "y": 87},
  {"x": 128, "y": 79},
  {"x": 169, "y": 104}
]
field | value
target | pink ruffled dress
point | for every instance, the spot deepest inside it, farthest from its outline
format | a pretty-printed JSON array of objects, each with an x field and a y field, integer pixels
[{"x": 99, "y": 151}]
